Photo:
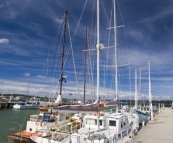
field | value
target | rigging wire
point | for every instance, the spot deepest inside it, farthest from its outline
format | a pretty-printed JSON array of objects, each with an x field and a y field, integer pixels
[
  {"x": 48, "y": 60},
  {"x": 123, "y": 22},
  {"x": 109, "y": 34},
  {"x": 73, "y": 59}
]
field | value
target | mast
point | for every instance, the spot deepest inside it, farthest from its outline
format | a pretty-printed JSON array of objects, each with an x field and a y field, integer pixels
[
  {"x": 63, "y": 46},
  {"x": 140, "y": 88},
  {"x": 85, "y": 48},
  {"x": 98, "y": 51},
  {"x": 116, "y": 59},
  {"x": 98, "y": 61},
  {"x": 136, "y": 97},
  {"x": 150, "y": 96},
  {"x": 149, "y": 82}
]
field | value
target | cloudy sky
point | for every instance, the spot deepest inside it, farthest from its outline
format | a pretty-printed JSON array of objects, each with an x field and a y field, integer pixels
[{"x": 31, "y": 34}]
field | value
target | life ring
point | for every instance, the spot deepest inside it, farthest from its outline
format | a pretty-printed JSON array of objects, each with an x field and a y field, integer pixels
[{"x": 101, "y": 114}]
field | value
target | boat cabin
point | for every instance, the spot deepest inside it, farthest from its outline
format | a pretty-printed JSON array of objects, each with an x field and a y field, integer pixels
[{"x": 115, "y": 122}]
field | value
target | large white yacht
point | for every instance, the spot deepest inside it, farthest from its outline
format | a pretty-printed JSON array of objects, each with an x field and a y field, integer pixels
[{"x": 100, "y": 128}]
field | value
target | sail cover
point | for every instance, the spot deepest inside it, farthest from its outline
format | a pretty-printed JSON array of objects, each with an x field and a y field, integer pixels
[
  {"x": 79, "y": 108},
  {"x": 114, "y": 102}
]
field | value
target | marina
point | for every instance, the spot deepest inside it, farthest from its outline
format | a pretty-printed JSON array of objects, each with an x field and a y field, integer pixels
[
  {"x": 159, "y": 129},
  {"x": 88, "y": 71}
]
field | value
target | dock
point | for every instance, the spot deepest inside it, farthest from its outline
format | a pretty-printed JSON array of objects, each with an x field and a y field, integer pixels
[{"x": 158, "y": 130}]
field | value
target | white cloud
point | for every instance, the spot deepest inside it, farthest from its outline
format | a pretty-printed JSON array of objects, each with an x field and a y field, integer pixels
[
  {"x": 4, "y": 41},
  {"x": 58, "y": 20},
  {"x": 27, "y": 74}
]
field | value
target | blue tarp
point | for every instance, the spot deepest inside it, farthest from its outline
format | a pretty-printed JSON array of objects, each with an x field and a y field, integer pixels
[
  {"x": 123, "y": 103},
  {"x": 46, "y": 117}
]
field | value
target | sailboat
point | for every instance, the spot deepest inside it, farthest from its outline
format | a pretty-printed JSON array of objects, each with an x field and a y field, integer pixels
[
  {"x": 98, "y": 127},
  {"x": 40, "y": 125},
  {"x": 143, "y": 118}
]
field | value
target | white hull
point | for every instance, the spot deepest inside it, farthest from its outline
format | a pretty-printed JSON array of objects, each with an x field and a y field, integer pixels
[
  {"x": 20, "y": 107},
  {"x": 113, "y": 128},
  {"x": 42, "y": 140}
]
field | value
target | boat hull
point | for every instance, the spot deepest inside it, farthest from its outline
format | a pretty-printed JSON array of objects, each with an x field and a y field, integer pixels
[
  {"x": 18, "y": 139},
  {"x": 22, "y": 107},
  {"x": 4, "y": 105}
]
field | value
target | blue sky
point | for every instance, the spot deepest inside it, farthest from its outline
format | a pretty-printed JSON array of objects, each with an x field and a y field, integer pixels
[{"x": 30, "y": 45}]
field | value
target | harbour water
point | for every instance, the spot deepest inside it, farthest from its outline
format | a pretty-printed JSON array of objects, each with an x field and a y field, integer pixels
[{"x": 10, "y": 120}]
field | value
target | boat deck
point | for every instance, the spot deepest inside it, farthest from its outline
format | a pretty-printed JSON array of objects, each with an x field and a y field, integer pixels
[{"x": 159, "y": 130}]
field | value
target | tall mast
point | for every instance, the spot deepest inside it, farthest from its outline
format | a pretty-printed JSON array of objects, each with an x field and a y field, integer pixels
[
  {"x": 63, "y": 46},
  {"x": 136, "y": 97},
  {"x": 86, "y": 46},
  {"x": 98, "y": 61},
  {"x": 149, "y": 82},
  {"x": 98, "y": 51},
  {"x": 116, "y": 59},
  {"x": 140, "y": 87},
  {"x": 150, "y": 96}
]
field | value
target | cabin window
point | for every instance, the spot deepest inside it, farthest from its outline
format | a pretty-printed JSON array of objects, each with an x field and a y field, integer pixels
[
  {"x": 112, "y": 123},
  {"x": 121, "y": 124},
  {"x": 91, "y": 121},
  {"x": 100, "y": 121},
  {"x": 124, "y": 121}
]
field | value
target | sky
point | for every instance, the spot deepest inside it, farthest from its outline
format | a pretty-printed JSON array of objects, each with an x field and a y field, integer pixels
[{"x": 31, "y": 34}]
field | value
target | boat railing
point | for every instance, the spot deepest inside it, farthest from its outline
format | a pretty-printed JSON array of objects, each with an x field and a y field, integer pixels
[
  {"x": 16, "y": 129},
  {"x": 68, "y": 135},
  {"x": 69, "y": 127},
  {"x": 126, "y": 132},
  {"x": 35, "y": 118},
  {"x": 64, "y": 137},
  {"x": 64, "y": 131}
]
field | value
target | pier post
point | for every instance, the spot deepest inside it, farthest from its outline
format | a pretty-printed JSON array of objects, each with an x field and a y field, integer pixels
[{"x": 159, "y": 107}]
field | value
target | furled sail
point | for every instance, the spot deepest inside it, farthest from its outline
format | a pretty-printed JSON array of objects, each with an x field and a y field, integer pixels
[
  {"x": 114, "y": 102},
  {"x": 79, "y": 108}
]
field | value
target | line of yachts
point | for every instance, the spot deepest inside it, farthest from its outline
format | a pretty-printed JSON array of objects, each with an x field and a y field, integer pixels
[{"x": 72, "y": 123}]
